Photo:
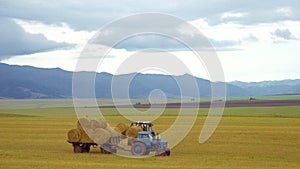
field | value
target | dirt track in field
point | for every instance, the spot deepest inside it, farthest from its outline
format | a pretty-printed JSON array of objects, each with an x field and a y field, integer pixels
[{"x": 252, "y": 103}]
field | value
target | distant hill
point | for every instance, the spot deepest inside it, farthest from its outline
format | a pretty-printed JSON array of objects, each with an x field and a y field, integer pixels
[
  {"x": 24, "y": 82},
  {"x": 20, "y": 82},
  {"x": 288, "y": 87}
]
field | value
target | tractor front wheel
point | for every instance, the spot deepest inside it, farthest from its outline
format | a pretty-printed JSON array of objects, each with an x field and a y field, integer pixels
[{"x": 139, "y": 149}]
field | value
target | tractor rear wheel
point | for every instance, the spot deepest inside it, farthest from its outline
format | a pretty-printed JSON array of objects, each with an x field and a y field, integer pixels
[{"x": 139, "y": 149}]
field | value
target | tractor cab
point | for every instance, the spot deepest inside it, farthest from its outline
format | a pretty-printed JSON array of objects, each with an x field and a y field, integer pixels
[{"x": 146, "y": 126}]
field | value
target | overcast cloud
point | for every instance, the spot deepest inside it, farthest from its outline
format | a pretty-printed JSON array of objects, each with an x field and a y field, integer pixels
[
  {"x": 91, "y": 14},
  {"x": 15, "y": 41},
  {"x": 33, "y": 28}
]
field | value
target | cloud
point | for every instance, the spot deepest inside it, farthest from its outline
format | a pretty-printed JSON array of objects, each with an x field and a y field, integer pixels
[
  {"x": 14, "y": 40},
  {"x": 92, "y": 14},
  {"x": 283, "y": 33},
  {"x": 232, "y": 15},
  {"x": 251, "y": 38},
  {"x": 286, "y": 11},
  {"x": 150, "y": 41},
  {"x": 159, "y": 35},
  {"x": 151, "y": 31},
  {"x": 225, "y": 44},
  {"x": 56, "y": 32}
]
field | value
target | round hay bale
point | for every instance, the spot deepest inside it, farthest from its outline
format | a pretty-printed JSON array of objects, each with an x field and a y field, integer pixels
[
  {"x": 121, "y": 128},
  {"x": 98, "y": 123},
  {"x": 90, "y": 132},
  {"x": 133, "y": 131},
  {"x": 112, "y": 132},
  {"x": 95, "y": 124},
  {"x": 101, "y": 136},
  {"x": 102, "y": 123},
  {"x": 74, "y": 135},
  {"x": 85, "y": 138},
  {"x": 83, "y": 123}
]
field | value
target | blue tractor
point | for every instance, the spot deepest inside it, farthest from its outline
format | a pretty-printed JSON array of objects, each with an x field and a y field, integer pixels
[{"x": 147, "y": 141}]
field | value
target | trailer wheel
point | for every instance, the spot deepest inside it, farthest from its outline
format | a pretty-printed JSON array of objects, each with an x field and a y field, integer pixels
[
  {"x": 139, "y": 149},
  {"x": 85, "y": 148},
  {"x": 77, "y": 148}
]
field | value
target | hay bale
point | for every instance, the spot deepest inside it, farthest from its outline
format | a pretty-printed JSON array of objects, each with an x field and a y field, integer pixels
[
  {"x": 95, "y": 124},
  {"x": 83, "y": 123},
  {"x": 86, "y": 136},
  {"x": 74, "y": 135},
  {"x": 102, "y": 123},
  {"x": 133, "y": 131},
  {"x": 112, "y": 132},
  {"x": 121, "y": 128},
  {"x": 98, "y": 123},
  {"x": 101, "y": 136}
]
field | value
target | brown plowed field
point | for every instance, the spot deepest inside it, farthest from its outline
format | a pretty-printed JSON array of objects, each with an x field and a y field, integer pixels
[{"x": 252, "y": 103}]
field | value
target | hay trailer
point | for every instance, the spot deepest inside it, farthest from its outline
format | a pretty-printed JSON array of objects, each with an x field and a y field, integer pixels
[
  {"x": 141, "y": 139},
  {"x": 107, "y": 148}
]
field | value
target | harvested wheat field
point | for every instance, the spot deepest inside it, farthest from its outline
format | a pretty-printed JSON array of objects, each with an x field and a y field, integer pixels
[{"x": 248, "y": 137}]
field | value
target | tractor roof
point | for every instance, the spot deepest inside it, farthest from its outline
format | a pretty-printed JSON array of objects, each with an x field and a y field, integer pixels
[{"x": 145, "y": 122}]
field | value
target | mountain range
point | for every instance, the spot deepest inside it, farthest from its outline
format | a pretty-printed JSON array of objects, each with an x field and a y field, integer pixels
[{"x": 26, "y": 82}]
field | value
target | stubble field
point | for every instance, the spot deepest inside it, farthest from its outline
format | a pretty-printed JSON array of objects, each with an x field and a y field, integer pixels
[{"x": 248, "y": 137}]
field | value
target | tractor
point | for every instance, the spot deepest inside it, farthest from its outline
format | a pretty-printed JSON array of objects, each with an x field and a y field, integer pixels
[{"x": 147, "y": 141}]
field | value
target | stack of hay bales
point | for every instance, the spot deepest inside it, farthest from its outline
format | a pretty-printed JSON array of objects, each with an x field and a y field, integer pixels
[
  {"x": 91, "y": 130},
  {"x": 84, "y": 126},
  {"x": 96, "y": 130}
]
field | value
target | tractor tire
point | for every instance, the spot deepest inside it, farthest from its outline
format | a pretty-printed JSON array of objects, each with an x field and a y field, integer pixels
[
  {"x": 139, "y": 149},
  {"x": 165, "y": 152},
  {"x": 147, "y": 152},
  {"x": 77, "y": 148},
  {"x": 168, "y": 152},
  {"x": 160, "y": 153}
]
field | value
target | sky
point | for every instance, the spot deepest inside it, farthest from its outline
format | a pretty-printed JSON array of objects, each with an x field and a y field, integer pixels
[{"x": 254, "y": 40}]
